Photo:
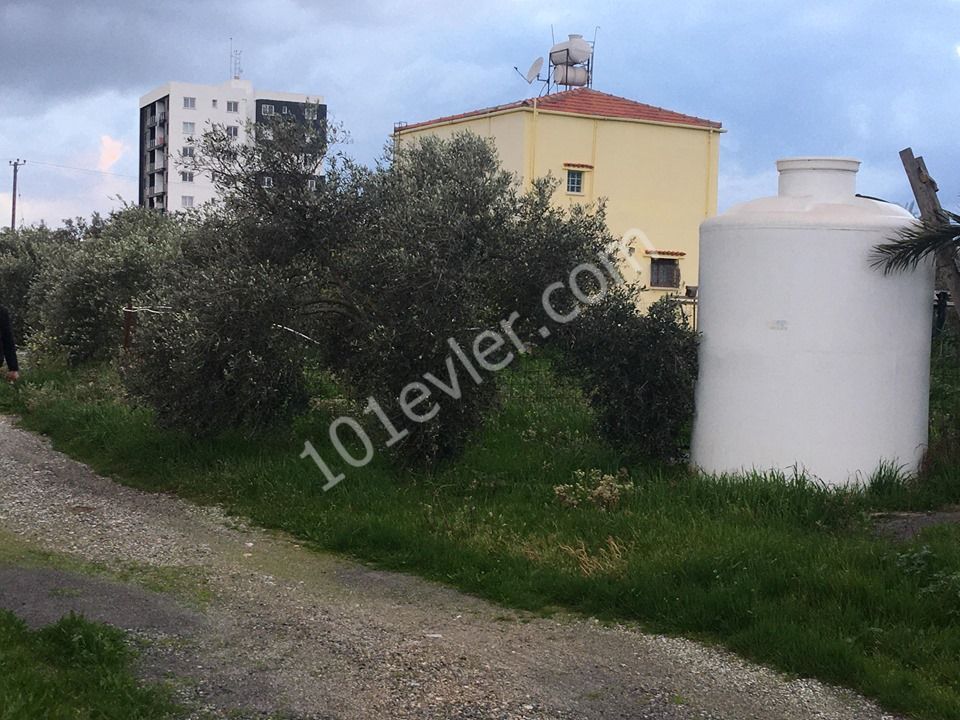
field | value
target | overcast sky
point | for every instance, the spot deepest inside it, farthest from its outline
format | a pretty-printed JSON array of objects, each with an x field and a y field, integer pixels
[{"x": 848, "y": 77}]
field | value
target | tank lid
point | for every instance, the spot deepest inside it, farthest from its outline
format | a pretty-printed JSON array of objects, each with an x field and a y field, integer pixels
[{"x": 820, "y": 178}]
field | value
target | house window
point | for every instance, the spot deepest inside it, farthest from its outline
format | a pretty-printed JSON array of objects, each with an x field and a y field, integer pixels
[
  {"x": 312, "y": 184},
  {"x": 186, "y": 201},
  {"x": 310, "y": 112},
  {"x": 664, "y": 273},
  {"x": 233, "y": 106},
  {"x": 186, "y": 177},
  {"x": 233, "y": 131},
  {"x": 187, "y": 152},
  {"x": 189, "y": 128},
  {"x": 575, "y": 182},
  {"x": 285, "y": 110},
  {"x": 189, "y": 103},
  {"x": 267, "y": 110},
  {"x": 267, "y": 181},
  {"x": 213, "y": 103}
]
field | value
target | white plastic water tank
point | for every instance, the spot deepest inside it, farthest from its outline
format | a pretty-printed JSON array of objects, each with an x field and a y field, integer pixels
[
  {"x": 573, "y": 51},
  {"x": 810, "y": 358},
  {"x": 574, "y": 76}
]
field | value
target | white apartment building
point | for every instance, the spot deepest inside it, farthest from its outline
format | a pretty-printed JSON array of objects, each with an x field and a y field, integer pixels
[{"x": 175, "y": 112}]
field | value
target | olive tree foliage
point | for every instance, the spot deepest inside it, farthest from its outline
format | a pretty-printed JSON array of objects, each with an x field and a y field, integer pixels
[
  {"x": 638, "y": 370},
  {"x": 251, "y": 281},
  {"x": 420, "y": 258},
  {"x": 447, "y": 246},
  {"x": 78, "y": 295},
  {"x": 218, "y": 358},
  {"x": 370, "y": 271},
  {"x": 23, "y": 253},
  {"x": 66, "y": 288}
]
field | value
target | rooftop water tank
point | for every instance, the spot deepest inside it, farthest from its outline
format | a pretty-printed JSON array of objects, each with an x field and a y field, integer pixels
[
  {"x": 810, "y": 358},
  {"x": 573, "y": 51},
  {"x": 574, "y": 76}
]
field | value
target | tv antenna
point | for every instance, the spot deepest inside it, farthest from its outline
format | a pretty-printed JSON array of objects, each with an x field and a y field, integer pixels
[{"x": 235, "y": 69}]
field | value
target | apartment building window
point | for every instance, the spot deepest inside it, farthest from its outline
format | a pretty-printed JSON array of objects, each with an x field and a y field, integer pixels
[
  {"x": 664, "y": 273},
  {"x": 267, "y": 110},
  {"x": 186, "y": 201},
  {"x": 186, "y": 176},
  {"x": 187, "y": 152},
  {"x": 233, "y": 131},
  {"x": 310, "y": 112},
  {"x": 575, "y": 182},
  {"x": 267, "y": 181},
  {"x": 233, "y": 106},
  {"x": 189, "y": 103},
  {"x": 189, "y": 128},
  {"x": 213, "y": 103}
]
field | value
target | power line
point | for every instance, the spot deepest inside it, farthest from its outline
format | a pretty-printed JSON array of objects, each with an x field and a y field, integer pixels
[{"x": 79, "y": 169}]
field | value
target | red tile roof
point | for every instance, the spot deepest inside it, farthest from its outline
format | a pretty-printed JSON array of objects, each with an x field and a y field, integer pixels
[
  {"x": 667, "y": 253},
  {"x": 583, "y": 101}
]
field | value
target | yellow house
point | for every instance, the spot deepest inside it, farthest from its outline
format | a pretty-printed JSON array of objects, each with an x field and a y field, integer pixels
[{"x": 656, "y": 168}]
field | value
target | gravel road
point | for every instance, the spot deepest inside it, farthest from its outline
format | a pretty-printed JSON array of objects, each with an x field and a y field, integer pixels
[{"x": 291, "y": 632}]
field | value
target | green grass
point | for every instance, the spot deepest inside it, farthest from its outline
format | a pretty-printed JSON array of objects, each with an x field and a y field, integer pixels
[
  {"x": 73, "y": 670},
  {"x": 778, "y": 569}
]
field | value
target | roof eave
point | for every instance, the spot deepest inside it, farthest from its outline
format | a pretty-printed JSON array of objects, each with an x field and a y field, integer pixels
[{"x": 707, "y": 125}]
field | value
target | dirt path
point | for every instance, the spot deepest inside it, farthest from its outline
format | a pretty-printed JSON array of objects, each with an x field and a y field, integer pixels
[{"x": 289, "y": 631}]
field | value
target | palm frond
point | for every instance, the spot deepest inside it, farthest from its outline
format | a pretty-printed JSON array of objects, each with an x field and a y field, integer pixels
[{"x": 917, "y": 242}]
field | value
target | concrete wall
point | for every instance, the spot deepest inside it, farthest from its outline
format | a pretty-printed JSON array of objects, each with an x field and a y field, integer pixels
[{"x": 658, "y": 179}]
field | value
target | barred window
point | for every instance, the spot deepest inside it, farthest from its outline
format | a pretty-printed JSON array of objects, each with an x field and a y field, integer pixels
[{"x": 664, "y": 273}]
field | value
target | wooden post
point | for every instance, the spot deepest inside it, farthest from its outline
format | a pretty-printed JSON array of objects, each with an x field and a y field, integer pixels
[
  {"x": 931, "y": 212},
  {"x": 129, "y": 317}
]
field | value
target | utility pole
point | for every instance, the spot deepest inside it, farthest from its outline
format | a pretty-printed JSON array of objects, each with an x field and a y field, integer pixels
[
  {"x": 13, "y": 212},
  {"x": 925, "y": 191}
]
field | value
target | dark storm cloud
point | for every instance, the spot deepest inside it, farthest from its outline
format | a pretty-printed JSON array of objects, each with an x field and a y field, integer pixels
[
  {"x": 862, "y": 77},
  {"x": 59, "y": 50}
]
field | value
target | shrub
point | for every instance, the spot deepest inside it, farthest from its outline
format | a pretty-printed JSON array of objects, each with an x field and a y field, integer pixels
[
  {"x": 446, "y": 246},
  {"x": 638, "y": 371},
  {"x": 23, "y": 253},
  {"x": 78, "y": 295},
  {"x": 381, "y": 268},
  {"x": 418, "y": 264},
  {"x": 220, "y": 357}
]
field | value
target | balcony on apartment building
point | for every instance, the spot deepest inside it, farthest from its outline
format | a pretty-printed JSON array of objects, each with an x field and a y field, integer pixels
[
  {"x": 158, "y": 118},
  {"x": 155, "y": 142},
  {"x": 159, "y": 165}
]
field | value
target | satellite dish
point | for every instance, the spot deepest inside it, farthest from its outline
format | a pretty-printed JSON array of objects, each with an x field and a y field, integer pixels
[{"x": 534, "y": 70}]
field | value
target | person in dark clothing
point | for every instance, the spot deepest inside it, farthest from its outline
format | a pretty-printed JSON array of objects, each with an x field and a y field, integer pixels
[{"x": 8, "y": 346}]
